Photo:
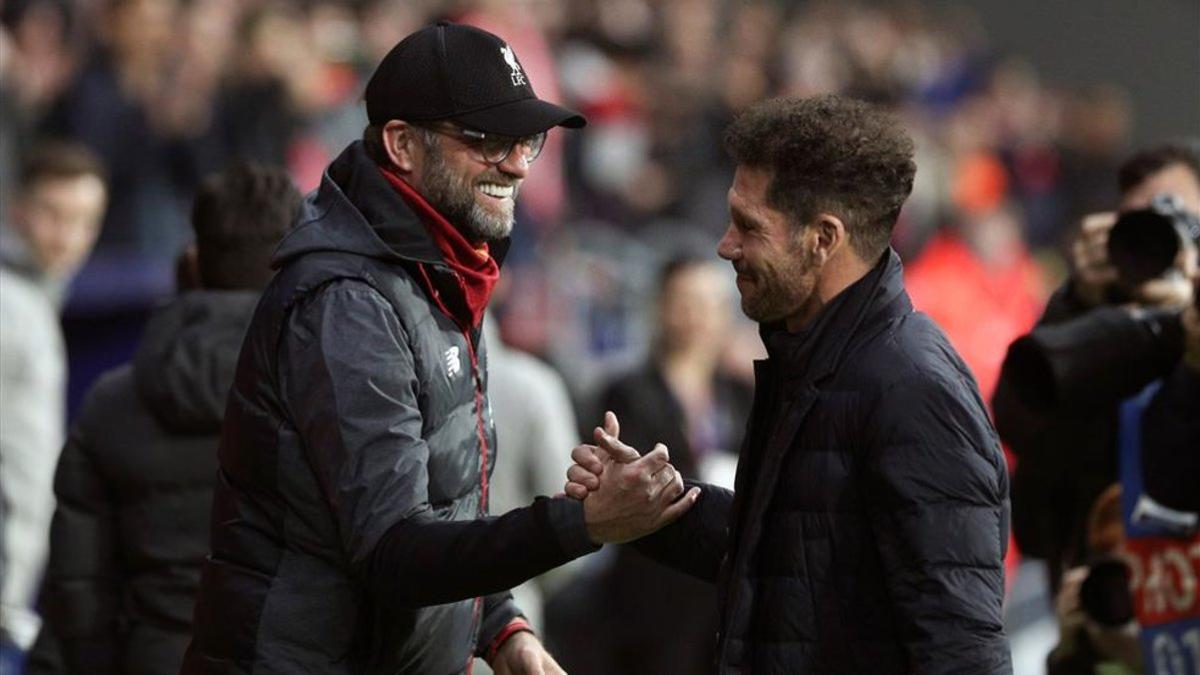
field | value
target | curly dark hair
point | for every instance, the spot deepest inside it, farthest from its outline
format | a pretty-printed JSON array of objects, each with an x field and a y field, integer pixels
[{"x": 829, "y": 154}]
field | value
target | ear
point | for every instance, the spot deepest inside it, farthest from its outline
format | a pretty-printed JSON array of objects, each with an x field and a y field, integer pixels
[
  {"x": 829, "y": 236},
  {"x": 402, "y": 145}
]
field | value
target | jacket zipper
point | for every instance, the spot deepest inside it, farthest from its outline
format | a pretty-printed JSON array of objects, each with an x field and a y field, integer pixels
[
  {"x": 477, "y": 610},
  {"x": 477, "y": 381},
  {"x": 480, "y": 429}
]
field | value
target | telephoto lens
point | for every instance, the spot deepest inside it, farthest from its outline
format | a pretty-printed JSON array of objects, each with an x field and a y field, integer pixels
[
  {"x": 1144, "y": 244},
  {"x": 1095, "y": 359}
]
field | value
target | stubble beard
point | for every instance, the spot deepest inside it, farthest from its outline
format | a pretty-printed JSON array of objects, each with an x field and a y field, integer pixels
[
  {"x": 781, "y": 291},
  {"x": 453, "y": 195}
]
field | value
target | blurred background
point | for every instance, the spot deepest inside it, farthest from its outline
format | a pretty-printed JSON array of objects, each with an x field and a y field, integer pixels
[{"x": 1021, "y": 110}]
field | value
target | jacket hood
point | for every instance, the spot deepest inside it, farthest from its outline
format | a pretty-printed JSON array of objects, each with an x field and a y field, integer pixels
[
  {"x": 354, "y": 210},
  {"x": 185, "y": 364}
]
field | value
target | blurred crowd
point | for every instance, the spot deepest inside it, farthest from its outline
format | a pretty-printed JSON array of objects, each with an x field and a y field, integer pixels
[
  {"x": 607, "y": 279},
  {"x": 168, "y": 91}
]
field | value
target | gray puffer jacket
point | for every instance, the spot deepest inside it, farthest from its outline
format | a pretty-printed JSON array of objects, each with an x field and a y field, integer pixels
[{"x": 350, "y": 529}]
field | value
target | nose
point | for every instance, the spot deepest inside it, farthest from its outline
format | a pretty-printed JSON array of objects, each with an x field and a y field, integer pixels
[
  {"x": 515, "y": 164},
  {"x": 730, "y": 246}
]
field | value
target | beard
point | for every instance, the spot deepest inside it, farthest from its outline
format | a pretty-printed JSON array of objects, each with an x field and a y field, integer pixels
[
  {"x": 780, "y": 288},
  {"x": 453, "y": 195}
]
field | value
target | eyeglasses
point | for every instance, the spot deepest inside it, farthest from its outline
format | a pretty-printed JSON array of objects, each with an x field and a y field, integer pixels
[{"x": 493, "y": 148}]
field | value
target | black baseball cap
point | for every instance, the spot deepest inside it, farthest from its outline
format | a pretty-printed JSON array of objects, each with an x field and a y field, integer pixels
[{"x": 460, "y": 73}]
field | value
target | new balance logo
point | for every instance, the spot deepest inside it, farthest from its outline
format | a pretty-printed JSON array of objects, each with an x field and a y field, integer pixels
[{"x": 453, "y": 362}]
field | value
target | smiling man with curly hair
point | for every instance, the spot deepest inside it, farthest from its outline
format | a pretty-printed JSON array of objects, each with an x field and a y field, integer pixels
[{"x": 868, "y": 525}]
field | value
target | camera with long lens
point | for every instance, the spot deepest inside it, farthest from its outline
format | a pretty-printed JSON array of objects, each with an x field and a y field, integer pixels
[
  {"x": 1097, "y": 359},
  {"x": 1112, "y": 352},
  {"x": 1144, "y": 244},
  {"x": 1104, "y": 595}
]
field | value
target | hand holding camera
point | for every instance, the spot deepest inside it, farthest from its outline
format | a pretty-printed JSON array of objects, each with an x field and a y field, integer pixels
[
  {"x": 1146, "y": 256},
  {"x": 1154, "y": 254},
  {"x": 1091, "y": 273}
]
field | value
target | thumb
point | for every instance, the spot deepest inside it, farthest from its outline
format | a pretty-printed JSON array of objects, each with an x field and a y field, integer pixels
[{"x": 611, "y": 424}]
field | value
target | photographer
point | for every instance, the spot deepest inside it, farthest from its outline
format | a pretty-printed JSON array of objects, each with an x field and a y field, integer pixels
[
  {"x": 1099, "y": 404},
  {"x": 1141, "y": 530},
  {"x": 1066, "y": 447},
  {"x": 1096, "y": 624}
]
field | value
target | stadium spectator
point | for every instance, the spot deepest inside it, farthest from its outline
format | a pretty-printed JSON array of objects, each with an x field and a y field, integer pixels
[
  {"x": 48, "y": 232},
  {"x": 135, "y": 480}
]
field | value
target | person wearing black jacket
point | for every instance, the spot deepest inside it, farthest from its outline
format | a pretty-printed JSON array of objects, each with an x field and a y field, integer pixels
[
  {"x": 1066, "y": 457},
  {"x": 350, "y": 523},
  {"x": 868, "y": 525},
  {"x": 134, "y": 483}
]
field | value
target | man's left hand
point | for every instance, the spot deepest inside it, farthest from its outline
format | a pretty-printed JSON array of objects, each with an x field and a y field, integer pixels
[{"x": 523, "y": 654}]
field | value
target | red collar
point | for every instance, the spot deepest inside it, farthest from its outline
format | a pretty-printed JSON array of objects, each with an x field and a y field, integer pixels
[{"x": 475, "y": 269}]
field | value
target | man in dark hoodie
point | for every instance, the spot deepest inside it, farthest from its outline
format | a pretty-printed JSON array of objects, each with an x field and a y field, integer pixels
[
  {"x": 134, "y": 482},
  {"x": 47, "y": 233},
  {"x": 350, "y": 525}
]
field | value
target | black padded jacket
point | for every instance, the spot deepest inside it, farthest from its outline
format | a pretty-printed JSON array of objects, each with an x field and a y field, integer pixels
[
  {"x": 134, "y": 490},
  {"x": 868, "y": 526}
]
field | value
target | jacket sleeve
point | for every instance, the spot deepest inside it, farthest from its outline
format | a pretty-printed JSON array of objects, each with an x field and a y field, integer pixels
[
  {"x": 696, "y": 543},
  {"x": 498, "y": 610},
  {"x": 937, "y": 498},
  {"x": 349, "y": 386},
  {"x": 82, "y": 590},
  {"x": 32, "y": 386}
]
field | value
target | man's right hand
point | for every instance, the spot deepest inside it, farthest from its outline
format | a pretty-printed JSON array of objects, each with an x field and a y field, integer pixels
[{"x": 1091, "y": 272}]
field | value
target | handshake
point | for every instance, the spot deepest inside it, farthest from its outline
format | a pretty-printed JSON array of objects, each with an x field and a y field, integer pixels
[{"x": 626, "y": 495}]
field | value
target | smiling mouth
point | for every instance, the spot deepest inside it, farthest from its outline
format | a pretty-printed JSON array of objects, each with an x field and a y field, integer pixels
[{"x": 496, "y": 190}]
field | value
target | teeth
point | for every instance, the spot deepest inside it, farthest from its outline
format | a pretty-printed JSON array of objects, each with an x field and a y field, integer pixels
[{"x": 496, "y": 190}]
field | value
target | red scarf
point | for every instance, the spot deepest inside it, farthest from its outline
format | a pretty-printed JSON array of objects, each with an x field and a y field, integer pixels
[{"x": 476, "y": 270}]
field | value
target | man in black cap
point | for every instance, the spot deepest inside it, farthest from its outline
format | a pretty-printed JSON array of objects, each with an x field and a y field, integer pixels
[{"x": 350, "y": 529}]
